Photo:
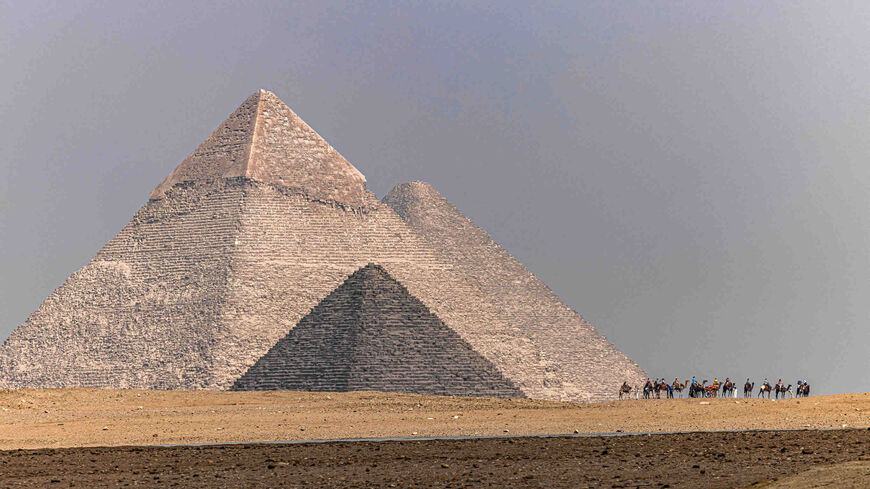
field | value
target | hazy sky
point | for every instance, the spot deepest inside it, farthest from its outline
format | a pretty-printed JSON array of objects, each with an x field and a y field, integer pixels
[{"x": 691, "y": 177}]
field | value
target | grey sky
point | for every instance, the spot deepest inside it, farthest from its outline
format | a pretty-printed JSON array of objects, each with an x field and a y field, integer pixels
[{"x": 691, "y": 177}]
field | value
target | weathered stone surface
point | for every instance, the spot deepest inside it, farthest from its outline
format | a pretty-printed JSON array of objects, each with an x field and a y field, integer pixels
[
  {"x": 371, "y": 334},
  {"x": 266, "y": 141},
  {"x": 236, "y": 247},
  {"x": 589, "y": 365},
  {"x": 203, "y": 282}
]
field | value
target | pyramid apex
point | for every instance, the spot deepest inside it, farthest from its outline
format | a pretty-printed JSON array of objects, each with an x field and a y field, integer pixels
[
  {"x": 372, "y": 269},
  {"x": 264, "y": 140},
  {"x": 412, "y": 193},
  {"x": 415, "y": 189}
]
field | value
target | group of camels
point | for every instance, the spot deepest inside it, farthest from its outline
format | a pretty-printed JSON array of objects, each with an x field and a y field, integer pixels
[
  {"x": 803, "y": 390},
  {"x": 659, "y": 386}
]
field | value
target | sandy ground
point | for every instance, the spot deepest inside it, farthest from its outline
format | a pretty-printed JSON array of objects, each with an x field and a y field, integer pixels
[{"x": 94, "y": 417}]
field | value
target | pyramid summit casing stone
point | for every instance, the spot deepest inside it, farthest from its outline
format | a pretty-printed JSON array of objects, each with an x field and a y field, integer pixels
[
  {"x": 238, "y": 244},
  {"x": 257, "y": 141}
]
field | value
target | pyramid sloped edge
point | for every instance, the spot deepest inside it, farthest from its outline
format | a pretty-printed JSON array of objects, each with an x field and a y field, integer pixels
[
  {"x": 223, "y": 154},
  {"x": 591, "y": 367},
  {"x": 370, "y": 333}
]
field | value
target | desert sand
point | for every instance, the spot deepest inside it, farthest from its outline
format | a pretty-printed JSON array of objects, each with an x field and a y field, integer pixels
[{"x": 94, "y": 417}]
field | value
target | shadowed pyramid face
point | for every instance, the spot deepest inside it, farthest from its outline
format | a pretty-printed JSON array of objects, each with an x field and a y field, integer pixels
[
  {"x": 248, "y": 267},
  {"x": 371, "y": 334}
]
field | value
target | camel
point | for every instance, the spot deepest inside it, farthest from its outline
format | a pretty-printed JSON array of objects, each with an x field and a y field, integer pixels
[
  {"x": 697, "y": 390},
  {"x": 727, "y": 388},
  {"x": 712, "y": 390},
  {"x": 765, "y": 388},
  {"x": 779, "y": 389},
  {"x": 625, "y": 389},
  {"x": 803, "y": 390},
  {"x": 678, "y": 387},
  {"x": 747, "y": 388},
  {"x": 661, "y": 386}
]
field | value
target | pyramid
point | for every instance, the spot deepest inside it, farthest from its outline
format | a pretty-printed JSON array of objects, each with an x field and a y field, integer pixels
[
  {"x": 243, "y": 240},
  {"x": 371, "y": 334},
  {"x": 590, "y": 363}
]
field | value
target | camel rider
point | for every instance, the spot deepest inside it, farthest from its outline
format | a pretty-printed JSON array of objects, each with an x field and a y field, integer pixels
[
  {"x": 800, "y": 382},
  {"x": 715, "y": 381},
  {"x": 693, "y": 380},
  {"x": 766, "y": 383},
  {"x": 727, "y": 379},
  {"x": 779, "y": 384}
]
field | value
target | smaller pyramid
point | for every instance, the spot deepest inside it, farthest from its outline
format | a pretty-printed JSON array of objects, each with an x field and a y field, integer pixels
[{"x": 370, "y": 333}]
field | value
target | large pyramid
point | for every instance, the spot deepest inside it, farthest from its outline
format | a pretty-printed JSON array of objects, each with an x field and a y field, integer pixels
[{"x": 250, "y": 237}]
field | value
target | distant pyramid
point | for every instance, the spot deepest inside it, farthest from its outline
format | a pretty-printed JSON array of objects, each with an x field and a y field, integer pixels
[
  {"x": 371, "y": 334},
  {"x": 241, "y": 242},
  {"x": 590, "y": 364}
]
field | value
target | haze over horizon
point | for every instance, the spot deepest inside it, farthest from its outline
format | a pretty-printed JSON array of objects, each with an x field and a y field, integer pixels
[{"x": 689, "y": 177}]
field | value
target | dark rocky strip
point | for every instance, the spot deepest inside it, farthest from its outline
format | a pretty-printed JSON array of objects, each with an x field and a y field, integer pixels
[{"x": 714, "y": 460}]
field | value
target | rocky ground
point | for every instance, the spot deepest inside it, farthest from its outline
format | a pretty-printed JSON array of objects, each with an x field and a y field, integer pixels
[
  {"x": 700, "y": 460},
  {"x": 845, "y": 475}
]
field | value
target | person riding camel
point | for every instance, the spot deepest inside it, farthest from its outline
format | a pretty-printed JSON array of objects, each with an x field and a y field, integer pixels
[
  {"x": 766, "y": 383},
  {"x": 779, "y": 384},
  {"x": 693, "y": 380}
]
